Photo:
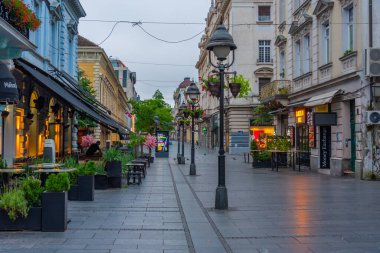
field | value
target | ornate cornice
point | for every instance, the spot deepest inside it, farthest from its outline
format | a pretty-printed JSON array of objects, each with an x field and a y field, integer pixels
[{"x": 322, "y": 7}]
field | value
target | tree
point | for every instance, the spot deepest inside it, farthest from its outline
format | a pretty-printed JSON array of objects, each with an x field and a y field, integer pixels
[
  {"x": 261, "y": 116},
  {"x": 145, "y": 110},
  {"x": 85, "y": 84}
]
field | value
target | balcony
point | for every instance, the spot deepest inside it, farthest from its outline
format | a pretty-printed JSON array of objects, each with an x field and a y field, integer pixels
[
  {"x": 275, "y": 93},
  {"x": 13, "y": 38}
]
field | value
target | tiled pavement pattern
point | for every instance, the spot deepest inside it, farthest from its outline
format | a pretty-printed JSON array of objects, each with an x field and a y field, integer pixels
[{"x": 269, "y": 212}]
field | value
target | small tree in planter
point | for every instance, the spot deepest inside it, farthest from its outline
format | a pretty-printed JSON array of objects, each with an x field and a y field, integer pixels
[
  {"x": 113, "y": 167},
  {"x": 54, "y": 203},
  {"x": 101, "y": 179},
  {"x": 86, "y": 183},
  {"x": 20, "y": 207},
  {"x": 150, "y": 143}
]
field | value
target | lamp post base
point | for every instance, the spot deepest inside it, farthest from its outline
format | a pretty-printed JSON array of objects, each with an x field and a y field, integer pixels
[
  {"x": 193, "y": 169},
  {"x": 181, "y": 160},
  {"x": 221, "y": 198}
]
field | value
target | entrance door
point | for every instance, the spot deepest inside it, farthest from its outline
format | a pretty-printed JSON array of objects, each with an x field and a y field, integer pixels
[
  {"x": 325, "y": 147},
  {"x": 353, "y": 138}
]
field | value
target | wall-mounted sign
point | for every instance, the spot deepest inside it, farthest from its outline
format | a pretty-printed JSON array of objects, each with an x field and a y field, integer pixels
[
  {"x": 162, "y": 148},
  {"x": 291, "y": 135},
  {"x": 325, "y": 119},
  {"x": 311, "y": 136},
  {"x": 300, "y": 116},
  {"x": 325, "y": 147},
  {"x": 322, "y": 108}
]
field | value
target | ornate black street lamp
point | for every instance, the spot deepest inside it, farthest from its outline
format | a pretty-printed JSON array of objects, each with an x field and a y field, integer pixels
[
  {"x": 182, "y": 109},
  {"x": 221, "y": 44},
  {"x": 193, "y": 94},
  {"x": 179, "y": 139}
]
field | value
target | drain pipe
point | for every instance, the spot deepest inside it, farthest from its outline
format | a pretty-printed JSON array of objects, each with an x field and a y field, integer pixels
[{"x": 371, "y": 79}]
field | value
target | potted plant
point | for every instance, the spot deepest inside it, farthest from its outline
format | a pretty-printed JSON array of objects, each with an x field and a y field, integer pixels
[
  {"x": 239, "y": 86},
  {"x": 150, "y": 143},
  {"x": 101, "y": 179},
  {"x": 186, "y": 113},
  {"x": 261, "y": 157},
  {"x": 54, "y": 203},
  {"x": 113, "y": 167},
  {"x": 86, "y": 183},
  {"x": 197, "y": 113},
  {"x": 73, "y": 193},
  {"x": 212, "y": 84},
  {"x": 20, "y": 207},
  {"x": 21, "y": 15}
]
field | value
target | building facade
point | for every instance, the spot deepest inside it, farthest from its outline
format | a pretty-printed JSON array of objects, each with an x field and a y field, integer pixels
[
  {"x": 321, "y": 90},
  {"x": 251, "y": 25},
  {"x": 97, "y": 67}
]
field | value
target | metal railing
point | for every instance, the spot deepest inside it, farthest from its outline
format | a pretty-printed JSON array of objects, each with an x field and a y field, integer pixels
[{"x": 276, "y": 87}]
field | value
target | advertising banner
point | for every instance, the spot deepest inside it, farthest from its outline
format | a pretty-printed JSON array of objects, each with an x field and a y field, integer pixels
[{"x": 162, "y": 148}]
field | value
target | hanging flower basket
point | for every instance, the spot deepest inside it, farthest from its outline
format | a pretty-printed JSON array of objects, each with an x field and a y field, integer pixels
[
  {"x": 214, "y": 89},
  {"x": 21, "y": 15},
  {"x": 235, "y": 89}
]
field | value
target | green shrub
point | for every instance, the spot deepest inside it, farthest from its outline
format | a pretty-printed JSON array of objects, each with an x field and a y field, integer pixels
[
  {"x": 32, "y": 191},
  {"x": 71, "y": 162},
  {"x": 100, "y": 169},
  {"x": 14, "y": 203},
  {"x": 58, "y": 183},
  {"x": 87, "y": 169},
  {"x": 125, "y": 159},
  {"x": 263, "y": 156},
  {"x": 111, "y": 154}
]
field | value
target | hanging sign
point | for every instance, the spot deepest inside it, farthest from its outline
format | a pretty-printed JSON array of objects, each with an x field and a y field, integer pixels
[
  {"x": 300, "y": 116},
  {"x": 322, "y": 108}
]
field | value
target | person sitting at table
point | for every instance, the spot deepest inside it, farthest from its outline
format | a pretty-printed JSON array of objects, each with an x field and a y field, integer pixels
[{"x": 94, "y": 149}]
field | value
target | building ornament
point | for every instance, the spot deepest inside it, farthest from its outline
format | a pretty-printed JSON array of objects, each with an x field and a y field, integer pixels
[
  {"x": 322, "y": 7},
  {"x": 302, "y": 26},
  {"x": 346, "y": 3}
]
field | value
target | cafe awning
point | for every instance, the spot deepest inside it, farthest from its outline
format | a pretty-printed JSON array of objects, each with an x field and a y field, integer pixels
[
  {"x": 322, "y": 99},
  {"x": 67, "y": 94},
  {"x": 8, "y": 86}
]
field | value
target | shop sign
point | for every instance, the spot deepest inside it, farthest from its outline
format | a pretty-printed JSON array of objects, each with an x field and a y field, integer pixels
[
  {"x": 310, "y": 122},
  {"x": 300, "y": 116},
  {"x": 291, "y": 135},
  {"x": 322, "y": 108},
  {"x": 325, "y": 150},
  {"x": 325, "y": 119}
]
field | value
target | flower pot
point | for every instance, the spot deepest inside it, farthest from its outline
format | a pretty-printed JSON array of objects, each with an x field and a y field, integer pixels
[
  {"x": 32, "y": 222},
  {"x": 197, "y": 115},
  {"x": 186, "y": 114},
  {"x": 101, "y": 182},
  {"x": 86, "y": 188},
  {"x": 73, "y": 193},
  {"x": 113, "y": 169},
  {"x": 54, "y": 211},
  {"x": 114, "y": 182},
  {"x": 235, "y": 89},
  {"x": 214, "y": 89}
]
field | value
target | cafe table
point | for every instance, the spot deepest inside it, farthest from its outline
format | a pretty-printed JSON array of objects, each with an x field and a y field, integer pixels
[
  {"x": 10, "y": 170},
  {"x": 48, "y": 168}
]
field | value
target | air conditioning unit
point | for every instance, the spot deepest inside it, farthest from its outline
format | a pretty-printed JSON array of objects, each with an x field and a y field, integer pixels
[
  {"x": 373, "y": 62},
  {"x": 373, "y": 117}
]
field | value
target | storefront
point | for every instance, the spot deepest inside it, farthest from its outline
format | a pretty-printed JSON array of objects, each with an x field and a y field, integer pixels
[{"x": 260, "y": 134}]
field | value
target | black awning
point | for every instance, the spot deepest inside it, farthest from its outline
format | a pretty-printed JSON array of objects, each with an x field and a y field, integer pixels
[
  {"x": 67, "y": 95},
  {"x": 8, "y": 86}
]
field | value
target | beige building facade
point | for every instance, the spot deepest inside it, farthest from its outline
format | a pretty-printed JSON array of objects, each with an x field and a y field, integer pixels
[
  {"x": 320, "y": 93},
  {"x": 96, "y": 66},
  {"x": 251, "y": 25}
]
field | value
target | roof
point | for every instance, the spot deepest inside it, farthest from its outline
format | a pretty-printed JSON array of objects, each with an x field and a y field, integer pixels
[
  {"x": 83, "y": 42},
  {"x": 186, "y": 83}
]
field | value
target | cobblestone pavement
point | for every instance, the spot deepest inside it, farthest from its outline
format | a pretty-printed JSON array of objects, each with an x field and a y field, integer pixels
[{"x": 170, "y": 211}]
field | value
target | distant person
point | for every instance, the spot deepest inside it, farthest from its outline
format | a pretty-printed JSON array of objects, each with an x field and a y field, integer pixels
[{"x": 94, "y": 149}]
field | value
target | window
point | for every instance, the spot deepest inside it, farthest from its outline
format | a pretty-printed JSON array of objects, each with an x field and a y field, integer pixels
[
  {"x": 262, "y": 82},
  {"x": 349, "y": 13},
  {"x": 325, "y": 43},
  {"x": 297, "y": 59},
  {"x": 53, "y": 44},
  {"x": 117, "y": 74},
  {"x": 306, "y": 54},
  {"x": 264, "y": 51},
  {"x": 124, "y": 78},
  {"x": 282, "y": 11},
  {"x": 264, "y": 13},
  {"x": 282, "y": 64}
]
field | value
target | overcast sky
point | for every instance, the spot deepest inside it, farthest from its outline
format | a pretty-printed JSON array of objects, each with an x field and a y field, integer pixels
[{"x": 130, "y": 44}]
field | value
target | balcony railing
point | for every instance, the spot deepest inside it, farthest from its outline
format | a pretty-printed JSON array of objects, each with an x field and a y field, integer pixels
[
  {"x": 4, "y": 14},
  {"x": 277, "y": 87}
]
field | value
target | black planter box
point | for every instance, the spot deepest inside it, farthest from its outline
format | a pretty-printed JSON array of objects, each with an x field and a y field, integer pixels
[
  {"x": 86, "y": 188},
  {"x": 54, "y": 211},
  {"x": 151, "y": 159},
  {"x": 32, "y": 222},
  {"x": 73, "y": 193},
  {"x": 262, "y": 164},
  {"x": 101, "y": 182},
  {"x": 113, "y": 169},
  {"x": 114, "y": 182}
]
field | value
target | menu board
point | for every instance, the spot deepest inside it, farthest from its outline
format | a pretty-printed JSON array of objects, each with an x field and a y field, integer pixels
[{"x": 162, "y": 148}]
